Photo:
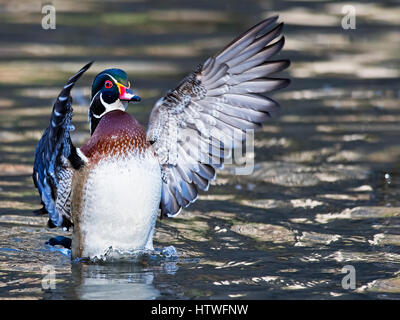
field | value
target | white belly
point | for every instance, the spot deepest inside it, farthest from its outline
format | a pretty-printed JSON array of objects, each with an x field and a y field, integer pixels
[{"x": 120, "y": 206}]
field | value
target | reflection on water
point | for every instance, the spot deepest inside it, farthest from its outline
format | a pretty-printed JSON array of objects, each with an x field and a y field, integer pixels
[
  {"x": 131, "y": 277},
  {"x": 325, "y": 190},
  {"x": 118, "y": 281}
]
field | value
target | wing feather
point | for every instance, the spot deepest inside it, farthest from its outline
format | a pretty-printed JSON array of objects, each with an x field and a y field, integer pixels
[
  {"x": 52, "y": 173},
  {"x": 195, "y": 127}
]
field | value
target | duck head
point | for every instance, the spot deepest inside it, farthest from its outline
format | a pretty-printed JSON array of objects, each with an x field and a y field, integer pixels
[{"x": 110, "y": 91}]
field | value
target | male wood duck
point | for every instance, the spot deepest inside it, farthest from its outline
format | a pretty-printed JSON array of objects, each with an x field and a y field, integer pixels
[{"x": 111, "y": 188}]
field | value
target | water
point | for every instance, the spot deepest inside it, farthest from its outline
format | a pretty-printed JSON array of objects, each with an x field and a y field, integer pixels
[{"x": 325, "y": 190}]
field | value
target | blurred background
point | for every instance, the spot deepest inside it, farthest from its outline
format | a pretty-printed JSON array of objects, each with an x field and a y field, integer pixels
[{"x": 325, "y": 190}]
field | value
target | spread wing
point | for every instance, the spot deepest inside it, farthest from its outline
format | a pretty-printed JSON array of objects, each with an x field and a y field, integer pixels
[
  {"x": 52, "y": 172},
  {"x": 194, "y": 127}
]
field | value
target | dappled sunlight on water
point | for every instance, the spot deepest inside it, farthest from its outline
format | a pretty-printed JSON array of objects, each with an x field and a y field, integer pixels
[{"x": 325, "y": 189}]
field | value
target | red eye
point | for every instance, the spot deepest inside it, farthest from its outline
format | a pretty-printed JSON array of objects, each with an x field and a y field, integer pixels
[{"x": 108, "y": 84}]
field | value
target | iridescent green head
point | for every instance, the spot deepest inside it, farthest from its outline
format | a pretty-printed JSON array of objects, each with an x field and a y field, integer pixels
[{"x": 110, "y": 91}]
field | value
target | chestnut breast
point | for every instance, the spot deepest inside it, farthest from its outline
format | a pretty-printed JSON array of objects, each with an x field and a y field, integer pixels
[{"x": 116, "y": 134}]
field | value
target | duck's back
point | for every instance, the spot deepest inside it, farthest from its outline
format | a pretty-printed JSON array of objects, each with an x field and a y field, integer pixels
[{"x": 116, "y": 195}]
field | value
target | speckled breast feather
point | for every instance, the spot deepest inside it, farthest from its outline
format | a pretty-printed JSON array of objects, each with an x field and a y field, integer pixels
[{"x": 117, "y": 133}]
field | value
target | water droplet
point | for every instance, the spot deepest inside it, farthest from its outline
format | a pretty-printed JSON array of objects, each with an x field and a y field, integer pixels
[
  {"x": 388, "y": 178},
  {"x": 170, "y": 252}
]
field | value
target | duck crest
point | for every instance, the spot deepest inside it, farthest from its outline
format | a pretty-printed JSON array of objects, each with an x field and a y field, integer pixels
[{"x": 117, "y": 134}]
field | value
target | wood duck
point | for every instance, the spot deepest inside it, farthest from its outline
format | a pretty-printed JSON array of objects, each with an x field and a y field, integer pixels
[{"x": 112, "y": 187}]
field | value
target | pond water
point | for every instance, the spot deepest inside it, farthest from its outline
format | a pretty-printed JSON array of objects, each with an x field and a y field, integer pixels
[{"x": 325, "y": 190}]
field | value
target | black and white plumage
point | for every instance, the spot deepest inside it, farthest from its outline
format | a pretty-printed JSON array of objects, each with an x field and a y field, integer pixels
[
  {"x": 56, "y": 157},
  {"x": 213, "y": 106}
]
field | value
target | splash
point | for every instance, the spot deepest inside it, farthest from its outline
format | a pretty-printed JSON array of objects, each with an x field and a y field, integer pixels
[{"x": 143, "y": 256}]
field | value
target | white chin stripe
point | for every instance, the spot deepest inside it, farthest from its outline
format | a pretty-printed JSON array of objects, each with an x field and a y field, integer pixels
[
  {"x": 117, "y": 105},
  {"x": 81, "y": 155}
]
